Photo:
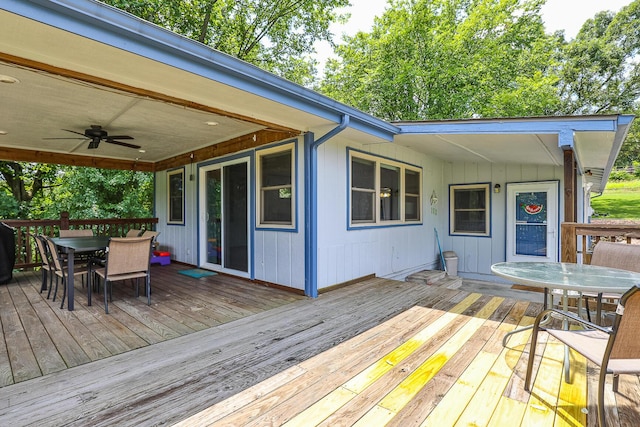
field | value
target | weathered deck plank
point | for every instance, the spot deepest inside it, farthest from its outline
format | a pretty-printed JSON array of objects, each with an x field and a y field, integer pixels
[{"x": 374, "y": 352}]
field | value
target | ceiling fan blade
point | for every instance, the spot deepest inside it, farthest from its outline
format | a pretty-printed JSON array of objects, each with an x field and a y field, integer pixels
[
  {"x": 124, "y": 144},
  {"x": 66, "y": 138},
  {"x": 119, "y": 137},
  {"x": 73, "y": 131}
]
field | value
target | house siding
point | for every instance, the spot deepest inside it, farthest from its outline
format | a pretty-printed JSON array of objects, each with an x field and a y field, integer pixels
[
  {"x": 477, "y": 254},
  {"x": 394, "y": 251}
]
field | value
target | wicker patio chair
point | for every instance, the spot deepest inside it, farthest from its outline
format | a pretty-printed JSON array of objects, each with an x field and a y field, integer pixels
[
  {"x": 616, "y": 350},
  {"x": 60, "y": 270},
  {"x": 127, "y": 258}
]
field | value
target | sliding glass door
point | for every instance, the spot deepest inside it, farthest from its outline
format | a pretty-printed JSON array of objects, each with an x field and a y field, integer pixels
[{"x": 224, "y": 217}]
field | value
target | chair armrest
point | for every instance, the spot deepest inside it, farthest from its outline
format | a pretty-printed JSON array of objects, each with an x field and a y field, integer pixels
[{"x": 569, "y": 316}]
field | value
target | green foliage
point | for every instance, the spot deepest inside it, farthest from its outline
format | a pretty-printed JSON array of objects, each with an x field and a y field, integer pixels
[
  {"x": 101, "y": 193},
  {"x": 277, "y": 36},
  {"x": 620, "y": 175},
  {"x": 620, "y": 200},
  {"x": 442, "y": 59}
]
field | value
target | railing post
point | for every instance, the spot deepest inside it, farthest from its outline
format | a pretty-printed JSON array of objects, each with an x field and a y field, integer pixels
[
  {"x": 64, "y": 220},
  {"x": 568, "y": 242}
]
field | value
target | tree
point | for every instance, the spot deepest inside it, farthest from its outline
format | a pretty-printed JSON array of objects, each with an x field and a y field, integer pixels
[
  {"x": 21, "y": 184},
  {"x": 600, "y": 72},
  {"x": 275, "y": 35},
  {"x": 103, "y": 193},
  {"x": 441, "y": 59}
]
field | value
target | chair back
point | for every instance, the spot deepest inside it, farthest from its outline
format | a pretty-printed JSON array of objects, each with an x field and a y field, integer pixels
[
  {"x": 128, "y": 255},
  {"x": 616, "y": 255},
  {"x": 626, "y": 325},
  {"x": 55, "y": 256},
  {"x": 42, "y": 250},
  {"x": 87, "y": 232},
  {"x": 133, "y": 233},
  {"x": 152, "y": 234}
]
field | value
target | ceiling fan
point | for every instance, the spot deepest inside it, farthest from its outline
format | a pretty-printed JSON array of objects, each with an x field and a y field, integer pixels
[{"x": 96, "y": 135}]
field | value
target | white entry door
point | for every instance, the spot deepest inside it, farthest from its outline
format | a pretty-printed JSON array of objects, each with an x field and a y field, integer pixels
[{"x": 532, "y": 221}]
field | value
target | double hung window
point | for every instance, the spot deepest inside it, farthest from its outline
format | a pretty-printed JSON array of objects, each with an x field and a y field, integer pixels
[
  {"x": 276, "y": 198},
  {"x": 469, "y": 209},
  {"x": 383, "y": 191}
]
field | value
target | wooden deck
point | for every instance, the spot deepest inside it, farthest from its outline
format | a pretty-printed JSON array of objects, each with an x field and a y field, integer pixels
[{"x": 379, "y": 352}]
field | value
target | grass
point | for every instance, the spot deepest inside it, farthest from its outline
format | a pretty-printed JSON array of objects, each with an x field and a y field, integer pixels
[{"x": 620, "y": 200}]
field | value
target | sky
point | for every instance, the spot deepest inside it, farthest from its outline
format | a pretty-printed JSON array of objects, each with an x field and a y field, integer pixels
[{"x": 567, "y": 15}]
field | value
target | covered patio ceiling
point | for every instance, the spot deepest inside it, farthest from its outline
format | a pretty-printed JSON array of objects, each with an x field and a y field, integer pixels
[{"x": 66, "y": 65}]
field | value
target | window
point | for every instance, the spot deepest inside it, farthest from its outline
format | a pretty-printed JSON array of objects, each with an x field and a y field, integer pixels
[
  {"x": 275, "y": 184},
  {"x": 175, "y": 197},
  {"x": 383, "y": 191},
  {"x": 469, "y": 209}
]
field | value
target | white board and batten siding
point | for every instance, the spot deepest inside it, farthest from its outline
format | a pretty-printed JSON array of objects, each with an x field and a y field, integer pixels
[
  {"x": 177, "y": 239},
  {"x": 477, "y": 254},
  {"x": 345, "y": 254}
]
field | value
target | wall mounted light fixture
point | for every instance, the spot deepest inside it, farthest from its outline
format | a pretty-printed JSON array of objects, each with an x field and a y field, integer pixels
[{"x": 496, "y": 188}]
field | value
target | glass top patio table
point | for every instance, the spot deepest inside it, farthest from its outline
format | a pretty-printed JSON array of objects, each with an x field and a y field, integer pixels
[
  {"x": 71, "y": 245},
  {"x": 567, "y": 276}
]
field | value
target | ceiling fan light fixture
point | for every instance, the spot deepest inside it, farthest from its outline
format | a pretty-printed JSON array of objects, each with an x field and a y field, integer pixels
[
  {"x": 94, "y": 143},
  {"x": 8, "y": 79}
]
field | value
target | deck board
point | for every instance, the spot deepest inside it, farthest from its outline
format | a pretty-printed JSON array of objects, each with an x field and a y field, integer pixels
[{"x": 223, "y": 351}]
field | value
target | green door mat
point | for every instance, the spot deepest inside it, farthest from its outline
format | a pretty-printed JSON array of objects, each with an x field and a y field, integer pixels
[{"x": 197, "y": 273}]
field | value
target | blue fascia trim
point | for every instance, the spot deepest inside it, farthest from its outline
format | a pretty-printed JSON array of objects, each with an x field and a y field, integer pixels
[
  {"x": 502, "y": 126},
  {"x": 113, "y": 27}
]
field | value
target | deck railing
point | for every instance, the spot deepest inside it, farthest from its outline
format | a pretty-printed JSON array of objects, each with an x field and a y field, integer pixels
[
  {"x": 26, "y": 253},
  {"x": 578, "y": 239}
]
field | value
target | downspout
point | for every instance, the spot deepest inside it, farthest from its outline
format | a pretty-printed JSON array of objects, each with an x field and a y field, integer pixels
[{"x": 311, "y": 205}]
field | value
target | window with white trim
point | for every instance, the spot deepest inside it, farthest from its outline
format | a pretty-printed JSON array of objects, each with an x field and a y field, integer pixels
[
  {"x": 383, "y": 191},
  {"x": 276, "y": 192},
  {"x": 469, "y": 209},
  {"x": 175, "y": 196}
]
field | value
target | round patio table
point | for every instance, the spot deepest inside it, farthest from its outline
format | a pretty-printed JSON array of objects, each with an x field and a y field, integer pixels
[{"x": 567, "y": 277}]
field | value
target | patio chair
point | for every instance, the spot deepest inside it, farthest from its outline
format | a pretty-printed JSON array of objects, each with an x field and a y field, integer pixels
[
  {"x": 154, "y": 237},
  {"x": 615, "y": 255},
  {"x": 616, "y": 350},
  {"x": 133, "y": 233},
  {"x": 60, "y": 270},
  {"x": 45, "y": 263},
  {"x": 127, "y": 258},
  {"x": 87, "y": 232}
]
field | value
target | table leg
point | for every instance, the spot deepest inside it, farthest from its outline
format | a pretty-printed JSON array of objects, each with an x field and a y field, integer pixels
[
  {"x": 526, "y": 328},
  {"x": 70, "y": 276},
  {"x": 565, "y": 326}
]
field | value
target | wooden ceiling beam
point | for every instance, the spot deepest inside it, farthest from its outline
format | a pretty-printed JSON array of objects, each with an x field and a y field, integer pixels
[
  {"x": 241, "y": 143},
  {"x": 19, "y": 155}
]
